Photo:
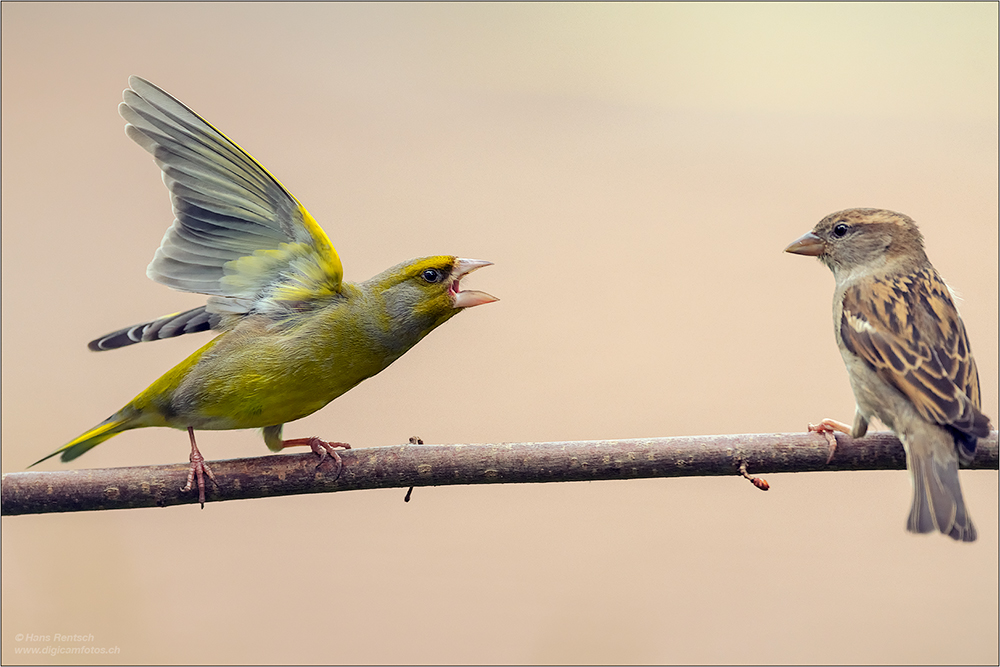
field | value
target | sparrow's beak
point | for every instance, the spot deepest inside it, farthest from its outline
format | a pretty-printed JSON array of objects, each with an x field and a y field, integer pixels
[
  {"x": 807, "y": 244},
  {"x": 469, "y": 298}
]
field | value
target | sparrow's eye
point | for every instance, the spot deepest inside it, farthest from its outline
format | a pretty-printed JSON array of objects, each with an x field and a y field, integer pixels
[
  {"x": 840, "y": 229},
  {"x": 432, "y": 275}
]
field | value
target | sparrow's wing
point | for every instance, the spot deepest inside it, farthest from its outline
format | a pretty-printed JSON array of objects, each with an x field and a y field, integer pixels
[
  {"x": 908, "y": 329},
  {"x": 238, "y": 235}
]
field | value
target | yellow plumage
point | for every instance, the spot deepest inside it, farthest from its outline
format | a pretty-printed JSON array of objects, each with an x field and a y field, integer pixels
[{"x": 294, "y": 335}]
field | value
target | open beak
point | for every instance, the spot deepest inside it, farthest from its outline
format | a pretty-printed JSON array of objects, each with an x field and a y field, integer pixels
[
  {"x": 468, "y": 298},
  {"x": 807, "y": 244}
]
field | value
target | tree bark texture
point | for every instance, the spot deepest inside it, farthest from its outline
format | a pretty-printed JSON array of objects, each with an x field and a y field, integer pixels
[{"x": 435, "y": 465}]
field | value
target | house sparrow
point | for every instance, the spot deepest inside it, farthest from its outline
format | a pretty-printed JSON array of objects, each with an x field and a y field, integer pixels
[
  {"x": 294, "y": 335},
  {"x": 907, "y": 355}
]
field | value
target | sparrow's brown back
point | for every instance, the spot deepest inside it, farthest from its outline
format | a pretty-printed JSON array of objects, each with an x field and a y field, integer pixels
[{"x": 908, "y": 329}]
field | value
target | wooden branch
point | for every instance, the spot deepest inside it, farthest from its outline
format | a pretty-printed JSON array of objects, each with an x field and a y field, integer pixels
[{"x": 435, "y": 465}]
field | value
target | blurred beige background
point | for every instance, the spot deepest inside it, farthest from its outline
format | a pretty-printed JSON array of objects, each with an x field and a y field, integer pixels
[{"x": 634, "y": 171}]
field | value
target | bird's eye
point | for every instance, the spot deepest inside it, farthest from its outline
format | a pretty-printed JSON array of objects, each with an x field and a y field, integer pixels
[
  {"x": 840, "y": 229},
  {"x": 432, "y": 275}
]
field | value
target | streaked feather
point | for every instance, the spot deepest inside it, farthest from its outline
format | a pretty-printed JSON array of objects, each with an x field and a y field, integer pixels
[
  {"x": 168, "y": 326},
  {"x": 908, "y": 329}
]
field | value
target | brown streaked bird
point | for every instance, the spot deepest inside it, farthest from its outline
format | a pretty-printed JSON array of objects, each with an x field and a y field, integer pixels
[{"x": 907, "y": 355}]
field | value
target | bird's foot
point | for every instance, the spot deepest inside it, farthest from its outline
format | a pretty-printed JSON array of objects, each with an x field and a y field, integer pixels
[
  {"x": 198, "y": 470},
  {"x": 827, "y": 427},
  {"x": 321, "y": 448}
]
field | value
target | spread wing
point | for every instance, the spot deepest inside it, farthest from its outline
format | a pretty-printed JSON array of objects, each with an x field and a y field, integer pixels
[
  {"x": 238, "y": 234},
  {"x": 909, "y": 330}
]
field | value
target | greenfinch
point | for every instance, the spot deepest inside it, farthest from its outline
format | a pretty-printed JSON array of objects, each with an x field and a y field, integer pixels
[
  {"x": 293, "y": 334},
  {"x": 907, "y": 355}
]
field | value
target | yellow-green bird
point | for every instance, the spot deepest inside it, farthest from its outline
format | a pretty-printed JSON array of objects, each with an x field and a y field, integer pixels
[{"x": 294, "y": 335}]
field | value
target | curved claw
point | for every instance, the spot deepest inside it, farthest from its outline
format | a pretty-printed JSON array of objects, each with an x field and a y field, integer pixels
[
  {"x": 198, "y": 470},
  {"x": 321, "y": 448},
  {"x": 826, "y": 428}
]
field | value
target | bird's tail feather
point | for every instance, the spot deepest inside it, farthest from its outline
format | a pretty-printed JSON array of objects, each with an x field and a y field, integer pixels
[
  {"x": 168, "y": 326},
  {"x": 109, "y": 427},
  {"x": 937, "y": 500}
]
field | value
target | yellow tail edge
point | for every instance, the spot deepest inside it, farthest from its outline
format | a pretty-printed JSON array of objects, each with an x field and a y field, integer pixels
[{"x": 108, "y": 428}]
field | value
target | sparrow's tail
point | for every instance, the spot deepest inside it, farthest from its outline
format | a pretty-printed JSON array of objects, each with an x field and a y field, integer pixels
[
  {"x": 937, "y": 498},
  {"x": 111, "y": 426}
]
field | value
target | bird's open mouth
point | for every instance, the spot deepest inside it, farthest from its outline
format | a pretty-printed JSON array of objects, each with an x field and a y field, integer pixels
[{"x": 468, "y": 298}]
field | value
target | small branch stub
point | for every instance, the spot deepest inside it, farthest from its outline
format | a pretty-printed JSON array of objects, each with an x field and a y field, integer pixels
[
  {"x": 759, "y": 482},
  {"x": 414, "y": 440}
]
